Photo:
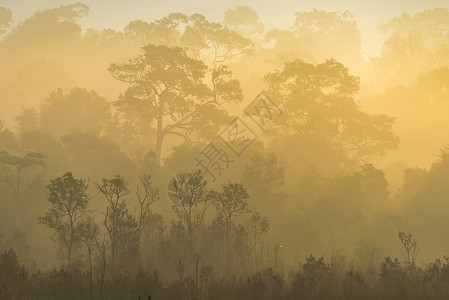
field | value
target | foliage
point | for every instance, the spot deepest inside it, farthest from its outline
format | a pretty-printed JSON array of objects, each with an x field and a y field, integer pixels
[
  {"x": 68, "y": 199},
  {"x": 319, "y": 110}
]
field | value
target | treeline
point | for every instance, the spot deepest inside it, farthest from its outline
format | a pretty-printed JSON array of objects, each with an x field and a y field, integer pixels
[
  {"x": 232, "y": 244},
  {"x": 334, "y": 277},
  {"x": 121, "y": 242}
]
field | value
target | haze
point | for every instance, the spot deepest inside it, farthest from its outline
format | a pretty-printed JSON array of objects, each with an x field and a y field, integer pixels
[{"x": 231, "y": 150}]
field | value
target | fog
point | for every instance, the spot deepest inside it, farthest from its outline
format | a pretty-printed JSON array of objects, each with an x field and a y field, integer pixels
[{"x": 196, "y": 156}]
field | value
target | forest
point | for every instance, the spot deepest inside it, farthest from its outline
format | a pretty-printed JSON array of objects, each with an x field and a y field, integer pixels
[{"x": 191, "y": 158}]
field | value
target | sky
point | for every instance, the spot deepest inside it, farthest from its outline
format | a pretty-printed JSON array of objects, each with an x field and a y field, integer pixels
[{"x": 280, "y": 13}]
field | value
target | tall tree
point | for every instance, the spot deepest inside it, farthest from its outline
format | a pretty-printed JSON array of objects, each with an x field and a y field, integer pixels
[
  {"x": 318, "y": 35},
  {"x": 244, "y": 20},
  {"x": 167, "y": 88},
  {"x": 263, "y": 174},
  {"x": 416, "y": 44},
  {"x": 89, "y": 233},
  {"x": 164, "y": 31},
  {"x": 319, "y": 110},
  {"x": 210, "y": 41},
  {"x": 7, "y": 142},
  {"x": 213, "y": 42},
  {"x": 145, "y": 197},
  {"x": 257, "y": 226},
  {"x": 68, "y": 212},
  {"x": 192, "y": 196},
  {"x": 78, "y": 110},
  {"x": 27, "y": 120},
  {"x": 19, "y": 164},
  {"x": 119, "y": 222},
  {"x": 232, "y": 202},
  {"x": 169, "y": 94}
]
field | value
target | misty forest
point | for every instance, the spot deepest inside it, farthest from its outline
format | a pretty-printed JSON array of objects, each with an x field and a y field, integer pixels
[{"x": 191, "y": 158}]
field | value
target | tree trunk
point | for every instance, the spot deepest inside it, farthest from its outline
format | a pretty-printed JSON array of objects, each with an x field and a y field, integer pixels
[
  {"x": 190, "y": 246},
  {"x": 102, "y": 249},
  {"x": 69, "y": 257},
  {"x": 159, "y": 132},
  {"x": 18, "y": 198},
  {"x": 90, "y": 273},
  {"x": 139, "y": 235},
  {"x": 159, "y": 139},
  {"x": 228, "y": 229}
]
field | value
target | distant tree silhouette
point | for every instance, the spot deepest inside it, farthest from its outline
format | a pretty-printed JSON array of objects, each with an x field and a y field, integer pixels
[
  {"x": 20, "y": 164},
  {"x": 231, "y": 203},
  {"x": 319, "y": 109},
  {"x": 67, "y": 215},
  {"x": 193, "y": 196},
  {"x": 120, "y": 224}
]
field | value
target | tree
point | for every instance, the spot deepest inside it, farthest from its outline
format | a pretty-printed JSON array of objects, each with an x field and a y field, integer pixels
[
  {"x": 5, "y": 19},
  {"x": 374, "y": 183},
  {"x": 192, "y": 197},
  {"x": 231, "y": 203},
  {"x": 167, "y": 88},
  {"x": 27, "y": 120},
  {"x": 263, "y": 174},
  {"x": 410, "y": 247},
  {"x": 43, "y": 31},
  {"x": 98, "y": 154},
  {"x": 13, "y": 276},
  {"x": 68, "y": 198},
  {"x": 78, "y": 110},
  {"x": 319, "y": 111},
  {"x": 148, "y": 196},
  {"x": 119, "y": 222},
  {"x": 317, "y": 35},
  {"x": 7, "y": 142},
  {"x": 213, "y": 41},
  {"x": 424, "y": 197},
  {"x": 168, "y": 93},
  {"x": 416, "y": 44},
  {"x": 164, "y": 31},
  {"x": 89, "y": 233},
  {"x": 20, "y": 164},
  {"x": 243, "y": 19},
  {"x": 257, "y": 226}
]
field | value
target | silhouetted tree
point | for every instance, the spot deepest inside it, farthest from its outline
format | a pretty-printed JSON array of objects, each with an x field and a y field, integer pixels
[
  {"x": 27, "y": 120},
  {"x": 89, "y": 233},
  {"x": 257, "y": 226},
  {"x": 193, "y": 196},
  {"x": 415, "y": 44},
  {"x": 145, "y": 198},
  {"x": 232, "y": 202},
  {"x": 119, "y": 222},
  {"x": 319, "y": 110},
  {"x": 410, "y": 247},
  {"x": 19, "y": 164},
  {"x": 168, "y": 87},
  {"x": 69, "y": 199},
  {"x": 78, "y": 110},
  {"x": 244, "y": 20}
]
